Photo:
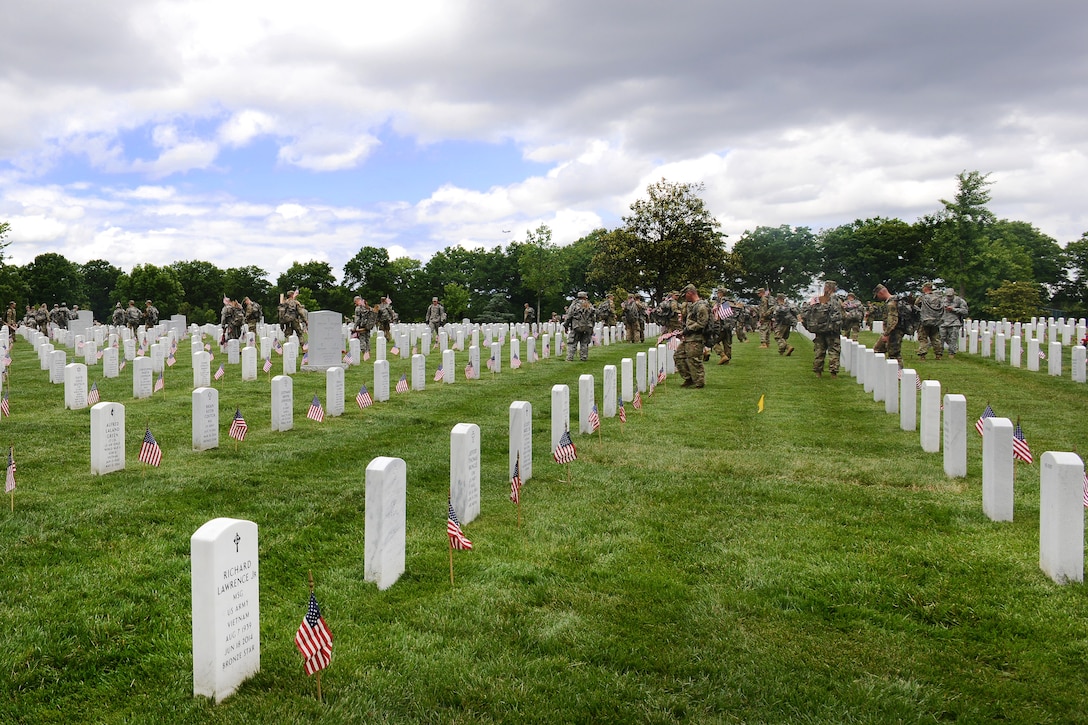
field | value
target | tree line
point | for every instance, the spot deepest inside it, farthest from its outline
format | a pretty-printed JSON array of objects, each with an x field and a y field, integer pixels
[{"x": 1002, "y": 268}]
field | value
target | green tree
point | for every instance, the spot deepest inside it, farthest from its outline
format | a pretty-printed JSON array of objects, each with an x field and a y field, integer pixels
[
  {"x": 455, "y": 300},
  {"x": 1073, "y": 291},
  {"x": 100, "y": 280},
  {"x": 780, "y": 259},
  {"x": 960, "y": 233},
  {"x": 150, "y": 282},
  {"x": 250, "y": 281},
  {"x": 669, "y": 239},
  {"x": 578, "y": 258},
  {"x": 863, "y": 254},
  {"x": 369, "y": 274},
  {"x": 1016, "y": 301},
  {"x": 53, "y": 279},
  {"x": 317, "y": 277},
  {"x": 497, "y": 309},
  {"x": 411, "y": 294},
  {"x": 202, "y": 289},
  {"x": 543, "y": 269}
]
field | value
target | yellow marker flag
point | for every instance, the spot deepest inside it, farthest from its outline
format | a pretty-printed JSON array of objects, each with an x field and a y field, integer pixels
[{"x": 760, "y": 404}]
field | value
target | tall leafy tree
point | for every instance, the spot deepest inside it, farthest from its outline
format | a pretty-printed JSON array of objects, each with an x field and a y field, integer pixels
[
  {"x": 781, "y": 259},
  {"x": 100, "y": 280},
  {"x": 202, "y": 289},
  {"x": 54, "y": 278},
  {"x": 250, "y": 281},
  {"x": 369, "y": 274},
  {"x": 865, "y": 253},
  {"x": 1016, "y": 301},
  {"x": 150, "y": 282},
  {"x": 961, "y": 233},
  {"x": 317, "y": 277},
  {"x": 543, "y": 268},
  {"x": 1073, "y": 291},
  {"x": 669, "y": 239}
]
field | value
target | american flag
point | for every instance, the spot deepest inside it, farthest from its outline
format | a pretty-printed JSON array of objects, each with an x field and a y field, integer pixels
[
  {"x": 458, "y": 540},
  {"x": 637, "y": 402},
  {"x": 9, "y": 481},
  {"x": 469, "y": 372},
  {"x": 348, "y": 359},
  {"x": 313, "y": 639},
  {"x": 207, "y": 347},
  {"x": 238, "y": 426},
  {"x": 515, "y": 481},
  {"x": 402, "y": 384},
  {"x": 305, "y": 358},
  {"x": 1086, "y": 489},
  {"x": 366, "y": 355},
  {"x": 305, "y": 347},
  {"x": 394, "y": 350},
  {"x": 363, "y": 399},
  {"x": 515, "y": 362},
  {"x": 93, "y": 395},
  {"x": 267, "y": 364},
  {"x": 594, "y": 419},
  {"x": 79, "y": 347},
  {"x": 122, "y": 365},
  {"x": 220, "y": 372},
  {"x": 97, "y": 356},
  {"x": 723, "y": 311},
  {"x": 160, "y": 384},
  {"x": 490, "y": 362},
  {"x": 917, "y": 379},
  {"x": 565, "y": 452},
  {"x": 150, "y": 453},
  {"x": 661, "y": 375},
  {"x": 316, "y": 412},
  {"x": 1020, "y": 445},
  {"x": 170, "y": 359},
  {"x": 277, "y": 346},
  {"x": 439, "y": 374},
  {"x": 622, "y": 413},
  {"x": 988, "y": 413}
]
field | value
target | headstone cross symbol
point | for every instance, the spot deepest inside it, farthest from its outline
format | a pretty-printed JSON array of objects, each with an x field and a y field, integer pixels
[{"x": 237, "y": 538}]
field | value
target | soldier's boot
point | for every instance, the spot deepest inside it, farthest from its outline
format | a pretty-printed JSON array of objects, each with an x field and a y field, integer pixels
[
  {"x": 923, "y": 357},
  {"x": 789, "y": 351},
  {"x": 724, "y": 360},
  {"x": 686, "y": 384},
  {"x": 706, "y": 355},
  {"x": 699, "y": 385},
  {"x": 834, "y": 374},
  {"x": 763, "y": 345},
  {"x": 819, "y": 373}
]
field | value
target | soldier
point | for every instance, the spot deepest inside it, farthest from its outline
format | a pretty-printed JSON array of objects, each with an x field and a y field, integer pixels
[
  {"x": 252, "y": 312},
  {"x": 435, "y": 317},
  {"x": 668, "y": 312},
  {"x": 606, "y": 312},
  {"x": 719, "y": 331},
  {"x": 385, "y": 316},
  {"x": 852, "y": 315},
  {"x": 63, "y": 315},
  {"x": 823, "y": 317},
  {"x": 930, "y": 307},
  {"x": 529, "y": 316},
  {"x": 11, "y": 319},
  {"x": 766, "y": 309},
  {"x": 952, "y": 314},
  {"x": 291, "y": 315},
  {"x": 151, "y": 315},
  {"x": 689, "y": 355},
  {"x": 54, "y": 316},
  {"x": 890, "y": 343},
  {"x": 362, "y": 322},
  {"x": 579, "y": 323},
  {"x": 118, "y": 317},
  {"x": 132, "y": 317},
  {"x": 784, "y": 316},
  {"x": 630, "y": 318},
  {"x": 41, "y": 316}
]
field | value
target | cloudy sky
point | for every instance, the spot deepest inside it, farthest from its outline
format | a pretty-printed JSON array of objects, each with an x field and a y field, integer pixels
[{"x": 270, "y": 132}]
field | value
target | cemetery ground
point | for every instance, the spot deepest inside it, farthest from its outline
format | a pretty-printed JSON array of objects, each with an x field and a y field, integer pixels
[{"x": 707, "y": 563}]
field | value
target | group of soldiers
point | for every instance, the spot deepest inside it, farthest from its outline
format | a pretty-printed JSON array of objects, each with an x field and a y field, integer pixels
[
  {"x": 41, "y": 316},
  {"x": 235, "y": 314},
  {"x": 382, "y": 315}
]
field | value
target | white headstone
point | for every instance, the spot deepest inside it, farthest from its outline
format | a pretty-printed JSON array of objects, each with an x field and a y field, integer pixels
[
  {"x": 419, "y": 372},
  {"x": 586, "y": 399},
  {"x": 226, "y": 606},
  {"x": 521, "y": 438},
  {"x": 449, "y": 366},
  {"x": 1078, "y": 364},
  {"x": 640, "y": 371},
  {"x": 1015, "y": 352},
  {"x": 109, "y": 363},
  {"x": 1054, "y": 360},
  {"x": 283, "y": 403},
  {"x": 474, "y": 359},
  {"x": 130, "y": 348},
  {"x": 560, "y": 413},
  {"x": 107, "y": 438},
  {"x": 627, "y": 381},
  {"x": 355, "y": 351},
  {"x": 1061, "y": 517},
  {"x": 90, "y": 353},
  {"x": 58, "y": 359},
  {"x": 75, "y": 386},
  {"x": 465, "y": 471},
  {"x": 997, "y": 468},
  {"x": 1033, "y": 355},
  {"x": 381, "y": 381},
  {"x": 202, "y": 374},
  {"x": 249, "y": 363},
  {"x": 955, "y": 435},
  {"x": 334, "y": 391},
  {"x": 142, "y": 378},
  {"x": 930, "y": 420},
  {"x": 325, "y": 339},
  {"x": 1000, "y": 346},
  {"x": 879, "y": 376},
  {"x": 652, "y": 367},
  {"x": 290, "y": 358},
  {"x": 609, "y": 394},
  {"x": 386, "y": 516},
  {"x": 908, "y": 400},
  {"x": 158, "y": 356},
  {"x": 891, "y": 386},
  {"x": 205, "y": 419}
]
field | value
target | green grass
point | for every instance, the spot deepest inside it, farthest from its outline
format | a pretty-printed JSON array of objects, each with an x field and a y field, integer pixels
[{"x": 707, "y": 563}]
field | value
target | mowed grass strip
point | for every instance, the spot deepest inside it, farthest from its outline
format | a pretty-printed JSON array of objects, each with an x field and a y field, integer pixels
[{"x": 706, "y": 562}]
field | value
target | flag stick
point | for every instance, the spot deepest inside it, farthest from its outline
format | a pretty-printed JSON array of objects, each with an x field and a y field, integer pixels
[
  {"x": 451, "y": 563},
  {"x": 569, "y": 479},
  {"x": 600, "y": 438},
  {"x": 319, "y": 697}
]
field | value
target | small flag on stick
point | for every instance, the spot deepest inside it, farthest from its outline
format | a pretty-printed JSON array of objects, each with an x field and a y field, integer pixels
[
  {"x": 313, "y": 639},
  {"x": 220, "y": 372},
  {"x": 622, "y": 413},
  {"x": 515, "y": 481},
  {"x": 458, "y": 540},
  {"x": 988, "y": 413},
  {"x": 93, "y": 396},
  {"x": 267, "y": 364},
  {"x": 150, "y": 453},
  {"x": 160, "y": 384},
  {"x": 402, "y": 384},
  {"x": 1020, "y": 447},
  {"x": 439, "y": 374},
  {"x": 594, "y": 418},
  {"x": 363, "y": 399},
  {"x": 238, "y": 426},
  {"x": 9, "y": 481},
  {"x": 316, "y": 412},
  {"x": 565, "y": 451}
]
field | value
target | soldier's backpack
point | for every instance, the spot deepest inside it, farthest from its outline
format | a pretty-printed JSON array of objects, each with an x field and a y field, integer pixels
[
  {"x": 823, "y": 317},
  {"x": 910, "y": 317}
]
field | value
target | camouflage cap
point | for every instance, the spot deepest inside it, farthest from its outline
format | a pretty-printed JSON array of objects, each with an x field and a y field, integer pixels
[
  {"x": 689, "y": 288},
  {"x": 583, "y": 294},
  {"x": 949, "y": 291}
]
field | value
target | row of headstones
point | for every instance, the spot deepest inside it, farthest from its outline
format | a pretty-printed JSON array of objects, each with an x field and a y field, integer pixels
[
  {"x": 1004, "y": 349},
  {"x": 1061, "y": 510},
  {"x": 1043, "y": 330}
]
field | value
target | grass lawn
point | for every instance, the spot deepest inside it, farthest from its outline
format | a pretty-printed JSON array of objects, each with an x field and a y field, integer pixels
[{"x": 707, "y": 563}]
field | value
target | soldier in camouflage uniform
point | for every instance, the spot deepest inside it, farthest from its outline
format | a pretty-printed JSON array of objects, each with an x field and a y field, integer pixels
[
  {"x": 133, "y": 317},
  {"x": 118, "y": 318},
  {"x": 890, "y": 343},
  {"x": 766, "y": 313},
  {"x": 151, "y": 315},
  {"x": 291, "y": 315},
  {"x": 689, "y": 356},
  {"x": 385, "y": 316},
  {"x": 784, "y": 316},
  {"x": 435, "y": 317},
  {"x": 630, "y": 319},
  {"x": 529, "y": 316},
  {"x": 362, "y": 322},
  {"x": 579, "y": 323},
  {"x": 930, "y": 307},
  {"x": 719, "y": 331},
  {"x": 606, "y": 312},
  {"x": 63, "y": 315},
  {"x": 11, "y": 319},
  {"x": 253, "y": 313},
  {"x": 822, "y": 317},
  {"x": 853, "y": 313}
]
